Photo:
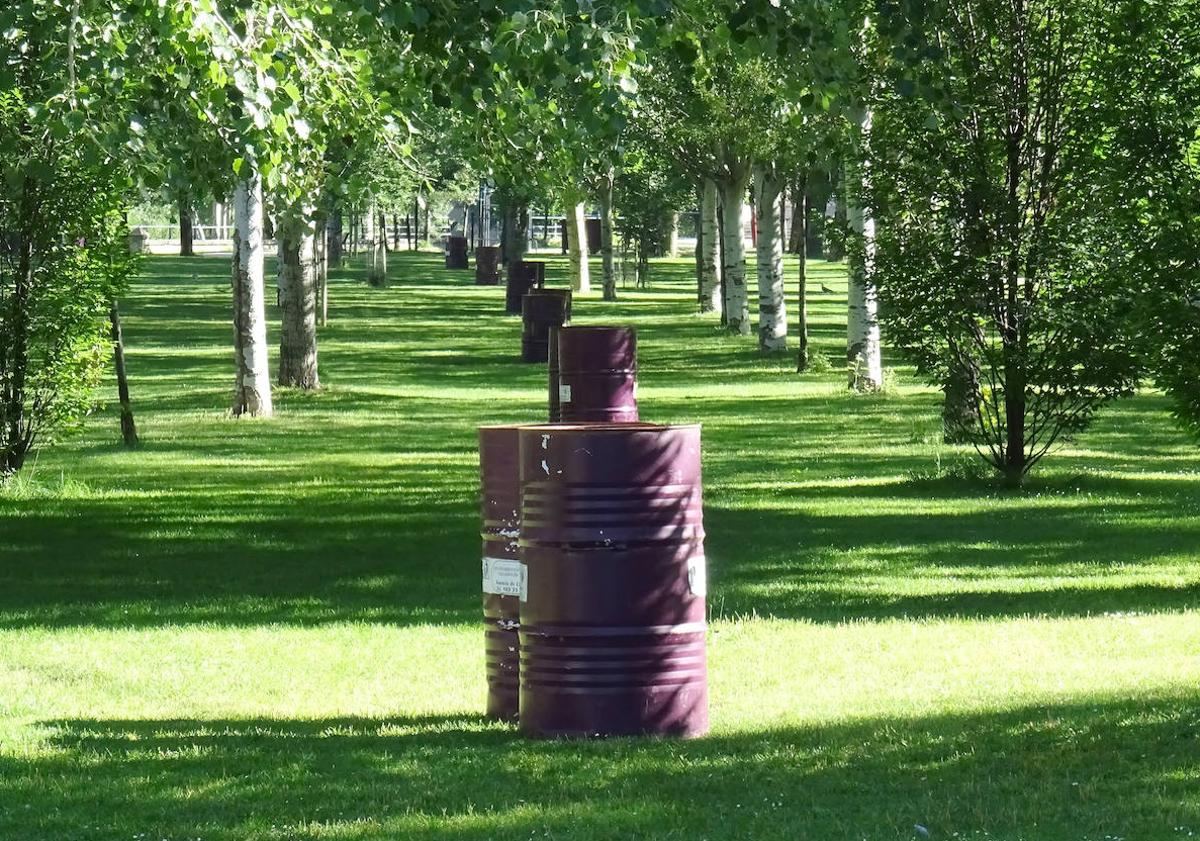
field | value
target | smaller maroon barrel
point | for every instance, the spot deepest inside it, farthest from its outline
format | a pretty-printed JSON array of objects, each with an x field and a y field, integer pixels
[
  {"x": 597, "y": 373},
  {"x": 542, "y": 310},
  {"x": 487, "y": 265},
  {"x": 500, "y": 493},
  {"x": 612, "y": 637},
  {"x": 523, "y": 275},
  {"x": 456, "y": 252}
]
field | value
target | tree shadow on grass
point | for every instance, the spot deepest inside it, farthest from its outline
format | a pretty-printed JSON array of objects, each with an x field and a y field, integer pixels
[{"x": 1087, "y": 770}]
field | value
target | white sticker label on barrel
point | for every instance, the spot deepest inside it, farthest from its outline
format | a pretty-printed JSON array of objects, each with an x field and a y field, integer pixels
[
  {"x": 502, "y": 576},
  {"x": 564, "y": 393},
  {"x": 524, "y": 585},
  {"x": 698, "y": 576}
]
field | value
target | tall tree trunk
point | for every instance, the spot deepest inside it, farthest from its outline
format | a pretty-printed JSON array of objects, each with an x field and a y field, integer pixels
[
  {"x": 710, "y": 257},
  {"x": 376, "y": 238},
  {"x": 772, "y": 302},
  {"x": 128, "y": 427},
  {"x": 604, "y": 201},
  {"x": 737, "y": 305},
  {"x": 252, "y": 382},
  {"x": 298, "y": 300},
  {"x": 672, "y": 229},
  {"x": 863, "y": 352},
  {"x": 577, "y": 255},
  {"x": 187, "y": 226},
  {"x": 801, "y": 211},
  {"x": 334, "y": 245}
]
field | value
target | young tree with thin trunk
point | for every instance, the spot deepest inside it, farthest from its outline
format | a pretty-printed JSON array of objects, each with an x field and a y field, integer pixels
[{"x": 128, "y": 427}]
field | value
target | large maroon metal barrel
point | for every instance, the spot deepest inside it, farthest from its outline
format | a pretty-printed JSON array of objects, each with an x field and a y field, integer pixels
[
  {"x": 541, "y": 311},
  {"x": 500, "y": 492},
  {"x": 487, "y": 265},
  {"x": 612, "y": 637},
  {"x": 456, "y": 252},
  {"x": 598, "y": 374},
  {"x": 523, "y": 275}
]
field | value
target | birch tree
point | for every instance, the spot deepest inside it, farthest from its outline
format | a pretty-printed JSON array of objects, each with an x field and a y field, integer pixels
[
  {"x": 710, "y": 249},
  {"x": 252, "y": 375},
  {"x": 772, "y": 309},
  {"x": 577, "y": 252},
  {"x": 298, "y": 278}
]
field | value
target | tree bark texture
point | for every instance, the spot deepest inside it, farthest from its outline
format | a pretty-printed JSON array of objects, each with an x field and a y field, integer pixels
[
  {"x": 252, "y": 382},
  {"x": 298, "y": 301},
  {"x": 577, "y": 255},
  {"x": 737, "y": 305},
  {"x": 801, "y": 211},
  {"x": 863, "y": 351},
  {"x": 710, "y": 262},
  {"x": 187, "y": 227},
  {"x": 772, "y": 302}
]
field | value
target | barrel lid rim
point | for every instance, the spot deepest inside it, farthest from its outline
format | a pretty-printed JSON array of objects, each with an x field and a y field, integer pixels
[{"x": 601, "y": 327}]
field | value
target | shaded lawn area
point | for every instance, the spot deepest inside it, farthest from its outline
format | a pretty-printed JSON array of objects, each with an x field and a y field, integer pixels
[{"x": 267, "y": 629}]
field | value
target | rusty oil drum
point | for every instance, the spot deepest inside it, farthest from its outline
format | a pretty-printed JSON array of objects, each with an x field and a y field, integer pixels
[
  {"x": 500, "y": 493},
  {"x": 456, "y": 252},
  {"x": 612, "y": 636},
  {"x": 542, "y": 310},
  {"x": 523, "y": 276},
  {"x": 487, "y": 265},
  {"x": 597, "y": 372}
]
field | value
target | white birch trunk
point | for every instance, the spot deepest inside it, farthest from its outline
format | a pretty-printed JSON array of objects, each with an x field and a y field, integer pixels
[
  {"x": 710, "y": 269},
  {"x": 252, "y": 383},
  {"x": 772, "y": 308},
  {"x": 737, "y": 304},
  {"x": 863, "y": 352},
  {"x": 298, "y": 300},
  {"x": 577, "y": 254}
]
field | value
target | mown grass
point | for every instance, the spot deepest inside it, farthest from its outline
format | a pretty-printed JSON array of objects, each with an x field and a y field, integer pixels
[{"x": 268, "y": 629}]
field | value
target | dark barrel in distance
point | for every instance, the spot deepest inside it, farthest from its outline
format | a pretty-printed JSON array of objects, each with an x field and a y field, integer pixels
[
  {"x": 598, "y": 374},
  {"x": 487, "y": 265},
  {"x": 456, "y": 252},
  {"x": 612, "y": 637},
  {"x": 523, "y": 275},
  {"x": 500, "y": 496},
  {"x": 542, "y": 310}
]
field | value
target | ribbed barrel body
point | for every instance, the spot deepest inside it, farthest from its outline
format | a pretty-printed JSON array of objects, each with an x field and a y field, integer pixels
[
  {"x": 487, "y": 265},
  {"x": 598, "y": 374},
  {"x": 456, "y": 252},
  {"x": 613, "y": 603},
  {"x": 500, "y": 494},
  {"x": 541, "y": 311},
  {"x": 523, "y": 275}
]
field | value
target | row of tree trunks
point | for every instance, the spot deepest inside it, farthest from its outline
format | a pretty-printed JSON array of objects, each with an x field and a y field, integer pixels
[{"x": 252, "y": 378}]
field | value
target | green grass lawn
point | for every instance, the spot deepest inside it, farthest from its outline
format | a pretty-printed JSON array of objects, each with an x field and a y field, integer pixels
[{"x": 270, "y": 629}]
